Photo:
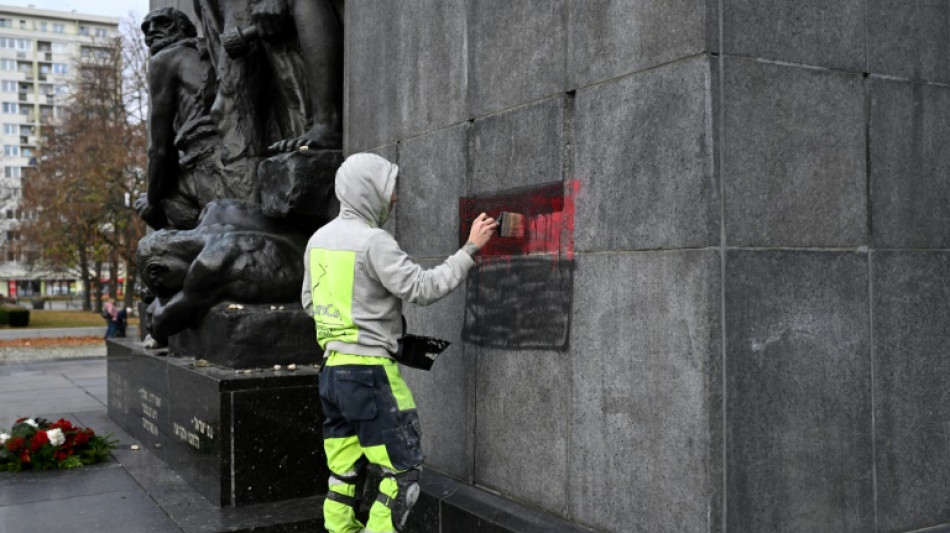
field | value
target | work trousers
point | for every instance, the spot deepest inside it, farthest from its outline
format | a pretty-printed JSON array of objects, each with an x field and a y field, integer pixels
[{"x": 368, "y": 411}]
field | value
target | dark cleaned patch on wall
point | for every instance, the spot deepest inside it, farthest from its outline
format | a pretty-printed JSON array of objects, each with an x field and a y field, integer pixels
[{"x": 520, "y": 296}]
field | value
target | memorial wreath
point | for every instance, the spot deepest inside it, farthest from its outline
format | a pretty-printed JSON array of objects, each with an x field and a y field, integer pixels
[{"x": 38, "y": 444}]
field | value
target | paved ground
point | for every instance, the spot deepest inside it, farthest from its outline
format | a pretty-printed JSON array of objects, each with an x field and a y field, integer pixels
[{"x": 134, "y": 492}]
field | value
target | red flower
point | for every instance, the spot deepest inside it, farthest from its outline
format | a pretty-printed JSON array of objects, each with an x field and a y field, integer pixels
[
  {"x": 60, "y": 455},
  {"x": 25, "y": 457},
  {"x": 82, "y": 437},
  {"x": 15, "y": 443},
  {"x": 39, "y": 439},
  {"x": 63, "y": 424},
  {"x": 18, "y": 420}
]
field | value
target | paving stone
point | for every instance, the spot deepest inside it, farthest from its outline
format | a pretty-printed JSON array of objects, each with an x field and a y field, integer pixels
[
  {"x": 28, "y": 487},
  {"x": 127, "y": 511}
]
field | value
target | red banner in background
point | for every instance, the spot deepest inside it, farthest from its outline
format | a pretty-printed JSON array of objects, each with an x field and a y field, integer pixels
[{"x": 11, "y": 287}]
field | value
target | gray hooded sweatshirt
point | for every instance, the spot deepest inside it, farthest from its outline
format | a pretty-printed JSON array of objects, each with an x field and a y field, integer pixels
[{"x": 356, "y": 275}]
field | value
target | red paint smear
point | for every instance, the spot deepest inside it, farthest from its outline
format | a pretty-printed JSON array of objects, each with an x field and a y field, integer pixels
[{"x": 549, "y": 220}]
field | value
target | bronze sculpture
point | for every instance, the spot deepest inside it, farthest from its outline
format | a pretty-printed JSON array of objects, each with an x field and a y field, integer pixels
[
  {"x": 212, "y": 120},
  {"x": 235, "y": 254}
]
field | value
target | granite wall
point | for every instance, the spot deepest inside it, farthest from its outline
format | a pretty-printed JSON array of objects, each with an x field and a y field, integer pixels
[
  {"x": 758, "y": 253},
  {"x": 759, "y": 320}
]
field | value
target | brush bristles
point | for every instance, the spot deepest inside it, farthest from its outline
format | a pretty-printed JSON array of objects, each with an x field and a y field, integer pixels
[{"x": 511, "y": 225}]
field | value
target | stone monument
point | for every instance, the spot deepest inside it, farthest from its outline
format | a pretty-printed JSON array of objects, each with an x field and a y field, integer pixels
[{"x": 245, "y": 137}]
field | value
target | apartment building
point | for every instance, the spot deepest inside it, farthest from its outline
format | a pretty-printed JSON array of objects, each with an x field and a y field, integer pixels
[{"x": 40, "y": 52}]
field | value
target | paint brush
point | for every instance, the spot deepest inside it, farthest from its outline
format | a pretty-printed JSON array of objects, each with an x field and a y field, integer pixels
[{"x": 511, "y": 225}]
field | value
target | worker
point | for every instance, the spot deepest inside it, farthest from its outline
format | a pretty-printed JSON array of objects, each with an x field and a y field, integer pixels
[{"x": 356, "y": 277}]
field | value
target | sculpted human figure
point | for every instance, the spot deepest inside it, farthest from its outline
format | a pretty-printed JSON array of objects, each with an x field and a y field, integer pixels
[
  {"x": 185, "y": 171},
  {"x": 288, "y": 93},
  {"x": 318, "y": 25},
  {"x": 234, "y": 254}
]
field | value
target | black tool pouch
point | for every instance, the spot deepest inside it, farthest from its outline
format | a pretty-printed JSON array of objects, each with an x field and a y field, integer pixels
[{"x": 416, "y": 351}]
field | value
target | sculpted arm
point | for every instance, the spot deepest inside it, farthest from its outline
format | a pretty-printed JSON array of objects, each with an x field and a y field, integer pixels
[{"x": 162, "y": 157}]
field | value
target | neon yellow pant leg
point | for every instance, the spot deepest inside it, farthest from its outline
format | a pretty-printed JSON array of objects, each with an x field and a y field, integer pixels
[
  {"x": 339, "y": 517},
  {"x": 380, "y": 516},
  {"x": 342, "y": 456}
]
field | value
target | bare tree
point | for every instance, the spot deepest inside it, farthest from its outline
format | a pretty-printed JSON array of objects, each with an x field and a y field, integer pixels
[{"x": 90, "y": 169}]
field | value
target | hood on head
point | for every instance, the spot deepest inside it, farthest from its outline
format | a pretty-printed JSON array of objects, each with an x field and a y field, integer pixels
[{"x": 364, "y": 185}]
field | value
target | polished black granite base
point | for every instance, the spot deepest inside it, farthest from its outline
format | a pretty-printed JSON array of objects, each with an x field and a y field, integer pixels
[
  {"x": 250, "y": 336},
  {"x": 238, "y": 438}
]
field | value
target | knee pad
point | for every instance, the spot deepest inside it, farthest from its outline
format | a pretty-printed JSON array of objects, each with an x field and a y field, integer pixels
[
  {"x": 354, "y": 478},
  {"x": 407, "y": 484}
]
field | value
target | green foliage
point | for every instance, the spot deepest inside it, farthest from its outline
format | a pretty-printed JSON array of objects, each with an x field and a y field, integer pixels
[{"x": 14, "y": 315}]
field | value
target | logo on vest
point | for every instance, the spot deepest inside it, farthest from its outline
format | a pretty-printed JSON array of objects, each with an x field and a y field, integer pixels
[{"x": 327, "y": 311}]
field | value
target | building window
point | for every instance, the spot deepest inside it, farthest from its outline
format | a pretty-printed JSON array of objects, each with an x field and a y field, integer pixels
[
  {"x": 43, "y": 27},
  {"x": 60, "y": 68},
  {"x": 84, "y": 30},
  {"x": 60, "y": 48},
  {"x": 59, "y": 28},
  {"x": 26, "y": 152},
  {"x": 11, "y": 150},
  {"x": 24, "y": 44},
  {"x": 7, "y": 64},
  {"x": 9, "y": 86},
  {"x": 22, "y": 24},
  {"x": 11, "y": 172},
  {"x": 101, "y": 32},
  {"x": 6, "y": 23},
  {"x": 11, "y": 129},
  {"x": 10, "y": 108}
]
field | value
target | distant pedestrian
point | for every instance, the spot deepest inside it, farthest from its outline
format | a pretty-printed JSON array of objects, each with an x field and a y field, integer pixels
[{"x": 110, "y": 314}]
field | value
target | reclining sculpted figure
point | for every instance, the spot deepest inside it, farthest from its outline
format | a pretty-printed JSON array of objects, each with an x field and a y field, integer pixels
[{"x": 234, "y": 254}]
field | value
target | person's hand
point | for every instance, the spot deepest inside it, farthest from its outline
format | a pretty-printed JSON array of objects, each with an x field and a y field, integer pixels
[
  {"x": 483, "y": 227},
  {"x": 270, "y": 17}
]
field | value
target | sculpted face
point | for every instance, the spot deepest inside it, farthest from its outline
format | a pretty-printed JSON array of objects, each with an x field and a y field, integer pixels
[
  {"x": 158, "y": 26},
  {"x": 165, "y": 275}
]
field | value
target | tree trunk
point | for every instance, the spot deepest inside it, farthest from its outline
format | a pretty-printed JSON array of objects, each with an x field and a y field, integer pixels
[
  {"x": 86, "y": 285},
  {"x": 129, "y": 287},
  {"x": 97, "y": 285},
  {"x": 113, "y": 275}
]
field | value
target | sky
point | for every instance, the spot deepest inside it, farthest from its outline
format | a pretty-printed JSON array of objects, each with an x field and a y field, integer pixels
[{"x": 109, "y": 8}]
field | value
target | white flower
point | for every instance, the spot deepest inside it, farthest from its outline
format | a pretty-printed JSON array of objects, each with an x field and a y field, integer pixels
[
  {"x": 31, "y": 422},
  {"x": 56, "y": 437},
  {"x": 4, "y": 437}
]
